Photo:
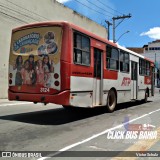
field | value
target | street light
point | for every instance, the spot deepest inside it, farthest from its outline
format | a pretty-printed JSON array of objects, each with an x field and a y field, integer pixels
[{"x": 121, "y": 36}]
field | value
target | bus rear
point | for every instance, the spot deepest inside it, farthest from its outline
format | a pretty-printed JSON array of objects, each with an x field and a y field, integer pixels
[{"x": 35, "y": 64}]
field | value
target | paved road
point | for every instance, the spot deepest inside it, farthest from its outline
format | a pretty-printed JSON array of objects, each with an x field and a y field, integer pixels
[{"x": 30, "y": 127}]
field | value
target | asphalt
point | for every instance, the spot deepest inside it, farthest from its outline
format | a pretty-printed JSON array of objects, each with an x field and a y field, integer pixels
[{"x": 34, "y": 127}]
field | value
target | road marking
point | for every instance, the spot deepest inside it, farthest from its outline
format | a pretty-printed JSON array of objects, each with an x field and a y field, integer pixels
[
  {"x": 97, "y": 135},
  {"x": 141, "y": 145},
  {"x": 98, "y": 148},
  {"x": 13, "y": 104}
]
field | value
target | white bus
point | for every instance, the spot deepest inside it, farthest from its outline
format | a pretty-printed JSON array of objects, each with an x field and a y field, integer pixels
[{"x": 61, "y": 63}]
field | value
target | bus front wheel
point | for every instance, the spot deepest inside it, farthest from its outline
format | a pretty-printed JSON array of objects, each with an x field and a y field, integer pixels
[{"x": 111, "y": 101}]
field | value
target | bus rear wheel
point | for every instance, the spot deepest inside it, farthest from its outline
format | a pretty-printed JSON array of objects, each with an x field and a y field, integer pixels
[
  {"x": 111, "y": 101},
  {"x": 66, "y": 107}
]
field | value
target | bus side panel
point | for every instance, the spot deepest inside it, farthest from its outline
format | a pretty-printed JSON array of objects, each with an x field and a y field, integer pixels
[
  {"x": 81, "y": 81},
  {"x": 144, "y": 82},
  {"x": 67, "y": 44},
  {"x": 81, "y": 86},
  {"x": 121, "y": 84},
  {"x": 65, "y": 74},
  {"x": 66, "y": 57},
  {"x": 141, "y": 87},
  {"x": 81, "y": 91},
  {"x": 123, "y": 87}
]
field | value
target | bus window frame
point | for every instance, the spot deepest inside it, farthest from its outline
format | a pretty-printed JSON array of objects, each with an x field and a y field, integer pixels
[
  {"x": 144, "y": 67},
  {"x": 124, "y": 71},
  {"x": 75, "y": 32},
  {"x": 111, "y": 58},
  {"x": 148, "y": 69}
]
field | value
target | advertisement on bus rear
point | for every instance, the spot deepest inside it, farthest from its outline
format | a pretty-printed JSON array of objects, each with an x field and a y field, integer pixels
[{"x": 34, "y": 64}]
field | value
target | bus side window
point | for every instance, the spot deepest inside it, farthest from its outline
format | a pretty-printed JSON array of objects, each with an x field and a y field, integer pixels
[
  {"x": 148, "y": 68},
  {"x": 112, "y": 58},
  {"x": 144, "y": 67},
  {"x": 81, "y": 49},
  {"x": 85, "y": 58},
  {"x": 124, "y": 61}
]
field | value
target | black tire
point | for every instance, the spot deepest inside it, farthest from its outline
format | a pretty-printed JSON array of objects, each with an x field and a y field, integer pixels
[
  {"x": 66, "y": 107},
  {"x": 111, "y": 101}
]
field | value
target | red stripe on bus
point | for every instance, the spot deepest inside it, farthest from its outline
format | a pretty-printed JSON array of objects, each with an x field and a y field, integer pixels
[
  {"x": 109, "y": 74},
  {"x": 81, "y": 71}
]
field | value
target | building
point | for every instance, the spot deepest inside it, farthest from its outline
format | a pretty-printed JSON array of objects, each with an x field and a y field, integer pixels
[
  {"x": 151, "y": 51},
  {"x": 20, "y": 12},
  {"x": 137, "y": 50}
]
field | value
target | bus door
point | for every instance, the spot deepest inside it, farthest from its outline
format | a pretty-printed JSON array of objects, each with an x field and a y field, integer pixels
[
  {"x": 134, "y": 80},
  {"x": 98, "y": 77}
]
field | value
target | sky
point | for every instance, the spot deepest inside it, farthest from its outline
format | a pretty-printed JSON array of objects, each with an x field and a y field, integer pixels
[{"x": 143, "y": 26}]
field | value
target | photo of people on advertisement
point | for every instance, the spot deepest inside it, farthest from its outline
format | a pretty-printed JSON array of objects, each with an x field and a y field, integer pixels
[
  {"x": 34, "y": 72},
  {"x": 35, "y": 58},
  {"x": 18, "y": 65}
]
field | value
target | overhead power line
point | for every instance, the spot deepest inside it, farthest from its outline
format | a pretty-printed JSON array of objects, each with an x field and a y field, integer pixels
[
  {"x": 27, "y": 10},
  {"x": 114, "y": 25},
  {"x": 10, "y": 9},
  {"x": 109, "y": 7},
  {"x": 92, "y": 9},
  {"x": 99, "y": 7},
  {"x": 12, "y": 17}
]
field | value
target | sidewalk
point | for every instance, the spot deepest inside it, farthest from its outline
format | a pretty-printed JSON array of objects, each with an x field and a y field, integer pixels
[
  {"x": 6, "y": 101},
  {"x": 157, "y": 90}
]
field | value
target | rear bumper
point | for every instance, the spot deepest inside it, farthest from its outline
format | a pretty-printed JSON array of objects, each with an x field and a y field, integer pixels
[{"x": 61, "y": 98}]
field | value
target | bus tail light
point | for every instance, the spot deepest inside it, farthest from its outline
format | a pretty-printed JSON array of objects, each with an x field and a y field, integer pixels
[
  {"x": 10, "y": 81},
  {"x": 56, "y": 75},
  {"x": 56, "y": 83}
]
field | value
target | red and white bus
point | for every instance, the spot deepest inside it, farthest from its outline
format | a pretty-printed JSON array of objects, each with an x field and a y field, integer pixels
[{"x": 61, "y": 63}]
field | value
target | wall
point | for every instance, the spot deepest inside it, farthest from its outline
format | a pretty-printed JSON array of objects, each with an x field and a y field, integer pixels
[
  {"x": 153, "y": 45},
  {"x": 20, "y": 12}
]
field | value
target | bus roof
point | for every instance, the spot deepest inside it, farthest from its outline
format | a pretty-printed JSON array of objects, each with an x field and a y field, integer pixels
[
  {"x": 75, "y": 27},
  {"x": 127, "y": 50},
  {"x": 59, "y": 23}
]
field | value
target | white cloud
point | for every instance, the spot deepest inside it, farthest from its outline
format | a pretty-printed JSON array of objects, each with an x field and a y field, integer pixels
[
  {"x": 63, "y": 1},
  {"x": 153, "y": 33}
]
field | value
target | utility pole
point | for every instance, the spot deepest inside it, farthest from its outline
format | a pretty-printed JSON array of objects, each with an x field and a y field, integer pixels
[
  {"x": 114, "y": 24},
  {"x": 155, "y": 70},
  {"x": 108, "y": 24}
]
